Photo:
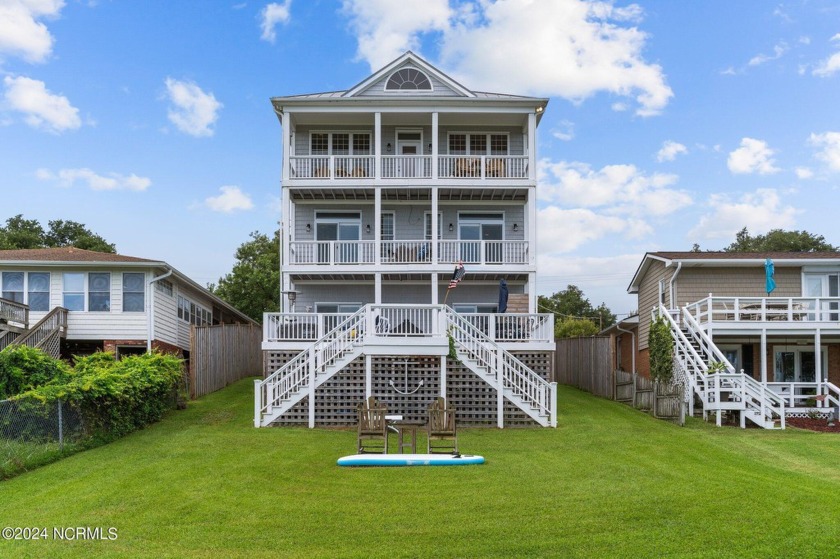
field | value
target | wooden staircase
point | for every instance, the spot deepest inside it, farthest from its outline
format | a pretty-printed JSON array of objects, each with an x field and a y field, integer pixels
[{"x": 45, "y": 335}]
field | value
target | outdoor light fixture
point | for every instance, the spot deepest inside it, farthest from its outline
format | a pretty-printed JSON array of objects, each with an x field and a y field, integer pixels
[
  {"x": 515, "y": 227},
  {"x": 430, "y": 147},
  {"x": 308, "y": 227},
  {"x": 388, "y": 147},
  {"x": 451, "y": 227},
  {"x": 367, "y": 228}
]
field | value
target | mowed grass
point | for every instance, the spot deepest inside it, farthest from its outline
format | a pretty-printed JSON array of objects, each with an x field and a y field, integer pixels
[{"x": 609, "y": 482}]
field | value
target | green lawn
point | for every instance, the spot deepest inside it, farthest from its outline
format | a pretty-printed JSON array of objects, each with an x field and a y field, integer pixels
[{"x": 609, "y": 481}]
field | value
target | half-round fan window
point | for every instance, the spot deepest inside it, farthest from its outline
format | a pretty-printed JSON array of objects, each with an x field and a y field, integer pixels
[{"x": 408, "y": 78}]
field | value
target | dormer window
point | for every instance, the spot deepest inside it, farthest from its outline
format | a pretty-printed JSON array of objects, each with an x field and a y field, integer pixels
[{"x": 408, "y": 79}]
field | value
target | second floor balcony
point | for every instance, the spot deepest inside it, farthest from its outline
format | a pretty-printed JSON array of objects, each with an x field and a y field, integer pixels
[
  {"x": 415, "y": 252},
  {"x": 429, "y": 167}
]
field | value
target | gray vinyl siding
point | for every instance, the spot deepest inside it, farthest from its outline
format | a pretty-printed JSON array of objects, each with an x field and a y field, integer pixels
[
  {"x": 398, "y": 293},
  {"x": 409, "y": 219},
  {"x": 694, "y": 284},
  {"x": 166, "y": 314},
  {"x": 184, "y": 326},
  {"x": 649, "y": 297},
  {"x": 334, "y": 292}
]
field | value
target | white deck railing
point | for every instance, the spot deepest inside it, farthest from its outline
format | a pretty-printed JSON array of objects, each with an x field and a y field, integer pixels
[
  {"x": 476, "y": 167},
  {"x": 409, "y": 321},
  {"x": 407, "y": 252},
  {"x": 747, "y": 310}
]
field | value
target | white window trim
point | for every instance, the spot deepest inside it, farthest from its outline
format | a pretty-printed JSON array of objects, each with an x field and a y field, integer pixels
[
  {"x": 483, "y": 221},
  {"x": 487, "y": 134},
  {"x": 407, "y": 91},
  {"x": 350, "y": 133}
]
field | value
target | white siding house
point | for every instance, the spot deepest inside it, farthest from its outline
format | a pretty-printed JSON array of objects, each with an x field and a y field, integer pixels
[
  {"x": 387, "y": 187},
  {"x": 113, "y": 302}
]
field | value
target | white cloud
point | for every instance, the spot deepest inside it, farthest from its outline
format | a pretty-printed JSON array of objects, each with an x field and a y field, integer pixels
[
  {"x": 230, "y": 200},
  {"x": 569, "y": 229},
  {"x": 758, "y": 211},
  {"x": 113, "y": 181},
  {"x": 21, "y": 32},
  {"x": 804, "y": 173},
  {"x": 670, "y": 150},
  {"x": 618, "y": 189},
  {"x": 272, "y": 15},
  {"x": 194, "y": 111},
  {"x": 754, "y": 156},
  {"x": 385, "y": 29},
  {"x": 42, "y": 108},
  {"x": 778, "y": 51},
  {"x": 829, "y": 142},
  {"x": 565, "y": 131},
  {"x": 830, "y": 65},
  {"x": 575, "y": 48}
]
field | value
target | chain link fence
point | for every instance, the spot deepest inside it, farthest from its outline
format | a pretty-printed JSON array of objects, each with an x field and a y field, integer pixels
[{"x": 33, "y": 433}]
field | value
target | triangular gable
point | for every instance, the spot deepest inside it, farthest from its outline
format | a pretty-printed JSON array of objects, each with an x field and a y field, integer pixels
[{"x": 409, "y": 59}]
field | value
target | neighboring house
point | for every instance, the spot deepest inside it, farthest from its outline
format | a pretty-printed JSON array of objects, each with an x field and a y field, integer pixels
[
  {"x": 386, "y": 187},
  {"x": 778, "y": 353},
  {"x": 76, "y": 302}
]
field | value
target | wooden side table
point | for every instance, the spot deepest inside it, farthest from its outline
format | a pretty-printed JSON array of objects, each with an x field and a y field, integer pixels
[{"x": 407, "y": 436}]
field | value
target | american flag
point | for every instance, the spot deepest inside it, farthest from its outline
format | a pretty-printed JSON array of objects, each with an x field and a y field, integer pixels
[{"x": 457, "y": 276}]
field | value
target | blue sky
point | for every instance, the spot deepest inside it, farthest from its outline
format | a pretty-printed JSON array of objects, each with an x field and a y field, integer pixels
[{"x": 669, "y": 123}]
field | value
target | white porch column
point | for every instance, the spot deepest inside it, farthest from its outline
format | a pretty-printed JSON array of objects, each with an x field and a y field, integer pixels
[
  {"x": 377, "y": 226},
  {"x": 763, "y": 355},
  {"x": 368, "y": 376},
  {"x": 531, "y": 225},
  {"x": 532, "y": 146},
  {"x": 532, "y": 292},
  {"x": 434, "y": 148},
  {"x": 443, "y": 377},
  {"x": 286, "y": 124},
  {"x": 377, "y": 145},
  {"x": 818, "y": 356},
  {"x": 377, "y": 288},
  {"x": 312, "y": 389},
  {"x": 287, "y": 227},
  {"x": 434, "y": 297},
  {"x": 435, "y": 238}
]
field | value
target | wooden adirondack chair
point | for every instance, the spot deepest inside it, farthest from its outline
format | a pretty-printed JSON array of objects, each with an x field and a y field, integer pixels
[
  {"x": 373, "y": 428},
  {"x": 443, "y": 436}
]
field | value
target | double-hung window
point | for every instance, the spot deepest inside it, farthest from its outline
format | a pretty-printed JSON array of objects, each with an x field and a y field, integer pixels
[
  {"x": 473, "y": 143},
  {"x": 38, "y": 291},
  {"x": 134, "y": 292},
  {"x": 99, "y": 292},
  {"x": 73, "y": 291},
  {"x": 339, "y": 143},
  {"x": 13, "y": 286}
]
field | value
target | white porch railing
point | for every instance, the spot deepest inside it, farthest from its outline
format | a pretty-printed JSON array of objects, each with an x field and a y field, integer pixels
[
  {"x": 406, "y": 166},
  {"x": 407, "y": 252},
  {"x": 476, "y": 167},
  {"x": 332, "y": 252},
  {"x": 484, "y": 166},
  {"x": 747, "y": 310},
  {"x": 484, "y": 252}
]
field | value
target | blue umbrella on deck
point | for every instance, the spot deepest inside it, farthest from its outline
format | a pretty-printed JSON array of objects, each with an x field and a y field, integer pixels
[
  {"x": 769, "y": 272},
  {"x": 503, "y": 296}
]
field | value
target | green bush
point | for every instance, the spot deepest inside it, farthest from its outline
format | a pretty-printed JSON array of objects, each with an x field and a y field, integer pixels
[
  {"x": 23, "y": 368},
  {"x": 116, "y": 397},
  {"x": 661, "y": 348}
]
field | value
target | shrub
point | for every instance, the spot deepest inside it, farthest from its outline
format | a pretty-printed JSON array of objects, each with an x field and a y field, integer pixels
[
  {"x": 23, "y": 368},
  {"x": 661, "y": 348},
  {"x": 116, "y": 397}
]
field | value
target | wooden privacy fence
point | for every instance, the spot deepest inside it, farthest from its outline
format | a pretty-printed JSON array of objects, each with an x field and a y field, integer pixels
[
  {"x": 223, "y": 354},
  {"x": 586, "y": 364}
]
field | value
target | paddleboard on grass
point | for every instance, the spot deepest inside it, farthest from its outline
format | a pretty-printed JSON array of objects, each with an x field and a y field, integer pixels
[{"x": 410, "y": 460}]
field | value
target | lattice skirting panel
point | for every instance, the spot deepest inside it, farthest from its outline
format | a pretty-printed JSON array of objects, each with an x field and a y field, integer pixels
[{"x": 474, "y": 399}]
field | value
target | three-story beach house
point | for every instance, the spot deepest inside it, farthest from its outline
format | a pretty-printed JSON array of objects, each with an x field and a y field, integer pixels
[{"x": 388, "y": 188}]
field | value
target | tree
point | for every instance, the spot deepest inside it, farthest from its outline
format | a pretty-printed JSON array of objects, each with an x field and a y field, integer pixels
[
  {"x": 71, "y": 233},
  {"x": 778, "y": 240},
  {"x": 571, "y": 303},
  {"x": 661, "y": 350},
  {"x": 20, "y": 233},
  {"x": 253, "y": 286},
  {"x": 574, "y": 328}
]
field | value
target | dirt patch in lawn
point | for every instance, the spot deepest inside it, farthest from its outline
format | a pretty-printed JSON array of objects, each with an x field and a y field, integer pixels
[{"x": 813, "y": 424}]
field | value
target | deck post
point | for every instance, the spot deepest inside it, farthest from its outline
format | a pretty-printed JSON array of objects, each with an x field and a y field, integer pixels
[
  {"x": 764, "y": 356},
  {"x": 500, "y": 395},
  {"x": 553, "y": 399},
  {"x": 312, "y": 389},
  {"x": 443, "y": 376},
  {"x": 368, "y": 375},
  {"x": 257, "y": 402}
]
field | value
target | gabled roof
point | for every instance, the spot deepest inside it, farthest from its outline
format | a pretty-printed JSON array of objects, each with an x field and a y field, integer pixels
[
  {"x": 408, "y": 58},
  {"x": 729, "y": 259}
]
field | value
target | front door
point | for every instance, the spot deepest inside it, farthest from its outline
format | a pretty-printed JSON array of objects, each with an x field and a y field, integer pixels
[
  {"x": 475, "y": 228},
  {"x": 344, "y": 229},
  {"x": 409, "y": 164}
]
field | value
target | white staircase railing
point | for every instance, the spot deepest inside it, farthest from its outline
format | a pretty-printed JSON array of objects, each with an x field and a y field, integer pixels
[
  {"x": 310, "y": 368},
  {"x": 730, "y": 389},
  {"x": 530, "y": 392},
  {"x": 690, "y": 365}
]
